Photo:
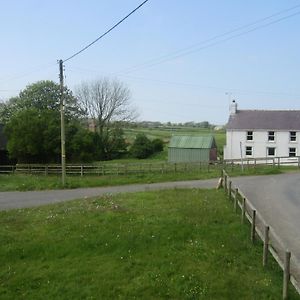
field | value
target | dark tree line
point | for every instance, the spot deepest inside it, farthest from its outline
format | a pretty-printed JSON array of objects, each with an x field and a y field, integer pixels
[{"x": 32, "y": 122}]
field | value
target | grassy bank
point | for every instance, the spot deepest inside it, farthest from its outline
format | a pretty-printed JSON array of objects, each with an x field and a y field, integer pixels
[
  {"x": 19, "y": 182},
  {"x": 179, "y": 244}
]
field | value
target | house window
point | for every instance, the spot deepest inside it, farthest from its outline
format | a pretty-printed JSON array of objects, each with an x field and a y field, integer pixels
[
  {"x": 271, "y": 136},
  {"x": 292, "y": 152},
  {"x": 248, "y": 151},
  {"x": 293, "y": 136},
  {"x": 249, "y": 135},
  {"x": 271, "y": 151}
]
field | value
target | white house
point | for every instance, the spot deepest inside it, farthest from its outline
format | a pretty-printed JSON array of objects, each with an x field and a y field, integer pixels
[{"x": 262, "y": 134}]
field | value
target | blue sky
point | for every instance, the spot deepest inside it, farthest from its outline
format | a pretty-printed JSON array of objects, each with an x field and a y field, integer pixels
[{"x": 260, "y": 69}]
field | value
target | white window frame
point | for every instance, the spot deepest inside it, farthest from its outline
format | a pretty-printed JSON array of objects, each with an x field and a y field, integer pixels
[
  {"x": 249, "y": 149},
  {"x": 293, "y": 136},
  {"x": 292, "y": 153},
  {"x": 268, "y": 148},
  {"x": 271, "y": 136},
  {"x": 249, "y": 135}
]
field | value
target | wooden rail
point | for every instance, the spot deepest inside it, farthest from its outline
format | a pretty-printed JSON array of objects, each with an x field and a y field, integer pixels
[
  {"x": 147, "y": 167},
  {"x": 112, "y": 168},
  {"x": 272, "y": 243}
]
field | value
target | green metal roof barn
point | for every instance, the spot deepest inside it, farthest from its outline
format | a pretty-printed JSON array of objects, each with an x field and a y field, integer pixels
[{"x": 192, "y": 149}]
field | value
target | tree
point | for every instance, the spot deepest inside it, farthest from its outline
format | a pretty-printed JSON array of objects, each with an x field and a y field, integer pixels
[
  {"x": 32, "y": 124},
  {"x": 141, "y": 147},
  {"x": 158, "y": 145},
  {"x": 106, "y": 102},
  {"x": 115, "y": 146},
  {"x": 80, "y": 144},
  {"x": 42, "y": 95}
]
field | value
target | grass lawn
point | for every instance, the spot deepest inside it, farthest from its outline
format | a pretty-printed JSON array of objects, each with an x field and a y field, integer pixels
[
  {"x": 176, "y": 244},
  {"x": 21, "y": 182}
]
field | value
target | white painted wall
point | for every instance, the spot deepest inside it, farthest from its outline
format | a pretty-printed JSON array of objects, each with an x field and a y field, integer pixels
[{"x": 259, "y": 144}]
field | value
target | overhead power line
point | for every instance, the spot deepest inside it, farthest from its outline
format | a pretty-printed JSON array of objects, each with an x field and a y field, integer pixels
[
  {"x": 189, "y": 84},
  {"x": 207, "y": 44},
  {"x": 106, "y": 32}
]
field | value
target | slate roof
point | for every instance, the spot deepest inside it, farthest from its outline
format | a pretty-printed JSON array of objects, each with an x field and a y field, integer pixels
[
  {"x": 265, "y": 119},
  {"x": 192, "y": 142},
  {"x": 3, "y": 140}
]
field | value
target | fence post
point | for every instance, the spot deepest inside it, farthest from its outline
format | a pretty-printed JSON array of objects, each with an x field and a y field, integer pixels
[
  {"x": 299, "y": 162},
  {"x": 225, "y": 183},
  {"x": 243, "y": 210},
  {"x": 278, "y": 162},
  {"x": 236, "y": 199},
  {"x": 253, "y": 225},
  {"x": 286, "y": 274},
  {"x": 46, "y": 170},
  {"x": 266, "y": 246},
  {"x": 229, "y": 189}
]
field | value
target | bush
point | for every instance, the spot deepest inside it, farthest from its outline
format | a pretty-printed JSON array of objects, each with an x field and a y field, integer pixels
[
  {"x": 158, "y": 145},
  {"x": 142, "y": 147}
]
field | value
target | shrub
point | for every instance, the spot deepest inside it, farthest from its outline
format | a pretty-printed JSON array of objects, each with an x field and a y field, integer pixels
[
  {"x": 158, "y": 145},
  {"x": 142, "y": 147}
]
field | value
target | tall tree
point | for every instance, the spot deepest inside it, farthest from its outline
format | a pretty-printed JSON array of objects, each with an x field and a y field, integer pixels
[
  {"x": 32, "y": 124},
  {"x": 41, "y": 96},
  {"x": 106, "y": 102}
]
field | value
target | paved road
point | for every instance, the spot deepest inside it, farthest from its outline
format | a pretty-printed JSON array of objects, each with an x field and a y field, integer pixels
[
  {"x": 277, "y": 198},
  {"x": 9, "y": 200}
]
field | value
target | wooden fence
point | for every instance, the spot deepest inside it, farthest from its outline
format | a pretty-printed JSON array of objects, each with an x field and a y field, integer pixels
[
  {"x": 271, "y": 241},
  {"x": 147, "y": 167},
  {"x": 111, "y": 169}
]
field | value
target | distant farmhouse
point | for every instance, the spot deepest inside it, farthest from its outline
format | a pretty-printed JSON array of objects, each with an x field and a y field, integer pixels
[
  {"x": 192, "y": 149},
  {"x": 262, "y": 133}
]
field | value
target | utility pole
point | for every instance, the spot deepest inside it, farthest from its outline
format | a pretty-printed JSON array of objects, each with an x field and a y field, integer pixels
[{"x": 62, "y": 123}]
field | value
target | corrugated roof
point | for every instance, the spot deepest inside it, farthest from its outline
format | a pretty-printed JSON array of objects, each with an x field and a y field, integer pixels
[
  {"x": 265, "y": 119},
  {"x": 191, "y": 142}
]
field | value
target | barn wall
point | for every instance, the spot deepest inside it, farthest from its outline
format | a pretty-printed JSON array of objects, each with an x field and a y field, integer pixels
[{"x": 176, "y": 155}]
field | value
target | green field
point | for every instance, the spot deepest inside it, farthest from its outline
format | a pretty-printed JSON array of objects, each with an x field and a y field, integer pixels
[
  {"x": 27, "y": 182},
  {"x": 176, "y": 244},
  {"x": 165, "y": 134}
]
